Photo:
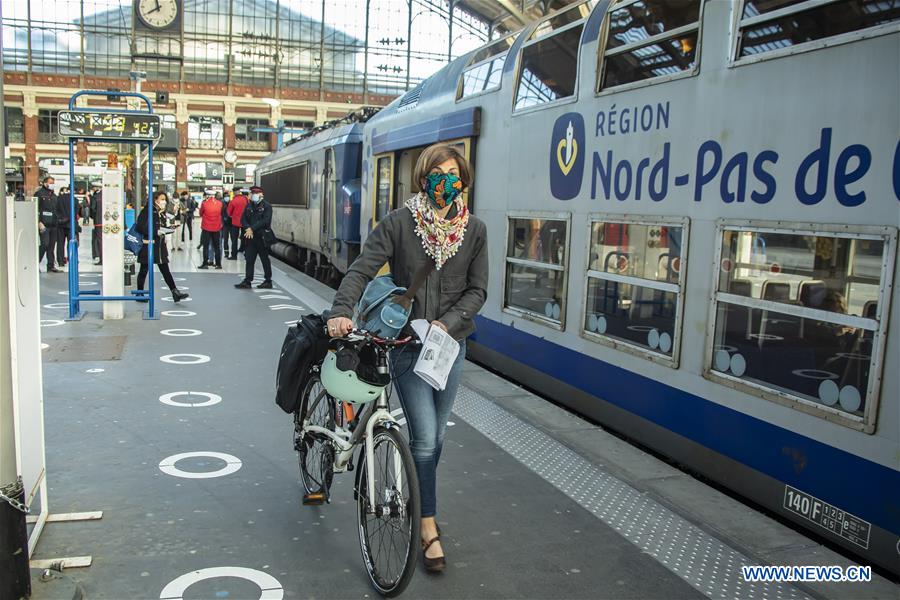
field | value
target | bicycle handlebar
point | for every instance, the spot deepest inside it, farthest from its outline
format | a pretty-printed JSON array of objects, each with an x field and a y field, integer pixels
[{"x": 357, "y": 335}]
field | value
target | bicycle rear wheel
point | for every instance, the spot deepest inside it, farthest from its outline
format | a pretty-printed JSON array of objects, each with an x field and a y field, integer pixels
[
  {"x": 316, "y": 450},
  {"x": 389, "y": 530}
]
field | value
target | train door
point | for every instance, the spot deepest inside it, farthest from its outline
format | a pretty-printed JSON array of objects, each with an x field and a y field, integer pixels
[{"x": 329, "y": 181}]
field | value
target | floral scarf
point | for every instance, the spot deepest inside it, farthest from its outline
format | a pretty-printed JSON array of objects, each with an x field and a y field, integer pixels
[{"x": 441, "y": 238}]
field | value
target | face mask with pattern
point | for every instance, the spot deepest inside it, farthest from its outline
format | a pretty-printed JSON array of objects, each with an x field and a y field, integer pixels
[{"x": 442, "y": 188}]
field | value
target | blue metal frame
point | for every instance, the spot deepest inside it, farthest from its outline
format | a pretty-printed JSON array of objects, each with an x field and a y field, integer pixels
[{"x": 76, "y": 296}]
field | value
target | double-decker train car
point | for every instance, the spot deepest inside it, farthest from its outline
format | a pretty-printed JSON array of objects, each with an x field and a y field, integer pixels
[{"x": 693, "y": 213}]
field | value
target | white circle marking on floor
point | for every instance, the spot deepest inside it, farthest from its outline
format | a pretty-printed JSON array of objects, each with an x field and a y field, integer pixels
[
  {"x": 84, "y": 283},
  {"x": 178, "y": 359},
  {"x": 232, "y": 464},
  {"x": 178, "y": 313},
  {"x": 56, "y": 305},
  {"x": 170, "y": 299},
  {"x": 44, "y": 346},
  {"x": 95, "y": 370},
  {"x": 181, "y": 332},
  {"x": 269, "y": 586},
  {"x": 52, "y": 322},
  {"x": 170, "y": 399}
]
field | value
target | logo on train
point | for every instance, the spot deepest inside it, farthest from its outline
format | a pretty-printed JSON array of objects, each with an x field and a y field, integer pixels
[{"x": 567, "y": 152}]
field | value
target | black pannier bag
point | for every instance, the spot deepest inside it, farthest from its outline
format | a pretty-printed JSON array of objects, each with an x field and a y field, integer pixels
[{"x": 304, "y": 346}]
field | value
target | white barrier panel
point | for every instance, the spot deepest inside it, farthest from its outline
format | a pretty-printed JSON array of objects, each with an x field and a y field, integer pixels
[
  {"x": 113, "y": 242},
  {"x": 25, "y": 333}
]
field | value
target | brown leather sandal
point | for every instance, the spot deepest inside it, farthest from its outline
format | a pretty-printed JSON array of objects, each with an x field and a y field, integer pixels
[{"x": 433, "y": 565}]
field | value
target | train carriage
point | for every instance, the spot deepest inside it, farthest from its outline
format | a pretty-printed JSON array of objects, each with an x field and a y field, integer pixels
[{"x": 693, "y": 213}]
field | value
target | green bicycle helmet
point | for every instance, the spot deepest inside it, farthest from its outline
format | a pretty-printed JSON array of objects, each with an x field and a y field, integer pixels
[{"x": 349, "y": 374}]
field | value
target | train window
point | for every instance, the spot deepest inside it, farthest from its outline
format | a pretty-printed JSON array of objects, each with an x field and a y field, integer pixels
[
  {"x": 549, "y": 63},
  {"x": 563, "y": 19},
  {"x": 634, "y": 286},
  {"x": 287, "y": 187},
  {"x": 484, "y": 70},
  {"x": 648, "y": 39},
  {"x": 536, "y": 258},
  {"x": 770, "y": 25},
  {"x": 798, "y": 316},
  {"x": 384, "y": 179}
]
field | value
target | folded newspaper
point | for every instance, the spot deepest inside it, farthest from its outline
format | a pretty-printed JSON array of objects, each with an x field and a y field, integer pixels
[{"x": 439, "y": 351}]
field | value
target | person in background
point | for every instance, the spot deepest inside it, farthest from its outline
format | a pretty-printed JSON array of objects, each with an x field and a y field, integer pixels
[
  {"x": 189, "y": 206},
  {"x": 236, "y": 209},
  {"x": 258, "y": 235},
  {"x": 96, "y": 213},
  {"x": 47, "y": 228},
  {"x": 210, "y": 229},
  {"x": 85, "y": 206},
  {"x": 80, "y": 202},
  {"x": 63, "y": 218},
  {"x": 177, "y": 223},
  {"x": 226, "y": 221},
  {"x": 160, "y": 251}
]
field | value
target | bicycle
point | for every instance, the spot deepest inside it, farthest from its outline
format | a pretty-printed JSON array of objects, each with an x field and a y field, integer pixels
[{"x": 386, "y": 487}]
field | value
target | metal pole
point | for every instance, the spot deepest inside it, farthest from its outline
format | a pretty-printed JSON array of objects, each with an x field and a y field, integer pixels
[
  {"x": 450, "y": 36},
  {"x": 73, "y": 244},
  {"x": 137, "y": 160},
  {"x": 366, "y": 56},
  {"x": 150, "y": 210},
  {"x": 322, "y": 54},
  {"x": 408, "y": 42},
  {"x": 15, "y": 579}
]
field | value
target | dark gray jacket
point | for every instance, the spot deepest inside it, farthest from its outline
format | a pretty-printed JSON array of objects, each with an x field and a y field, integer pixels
[{"x": 452, "y": 295}]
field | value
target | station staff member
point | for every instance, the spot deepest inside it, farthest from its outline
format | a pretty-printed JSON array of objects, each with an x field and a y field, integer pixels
[
  {"x": 47, "y": 222},
  {"x": 258, "y": 236}
]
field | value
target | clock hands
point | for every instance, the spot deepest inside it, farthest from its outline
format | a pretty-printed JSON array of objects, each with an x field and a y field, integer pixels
[{"x": 158, "y": 7}]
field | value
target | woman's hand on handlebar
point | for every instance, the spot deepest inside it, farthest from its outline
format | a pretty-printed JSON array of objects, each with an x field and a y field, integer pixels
[{"x": 339, "y": 327}]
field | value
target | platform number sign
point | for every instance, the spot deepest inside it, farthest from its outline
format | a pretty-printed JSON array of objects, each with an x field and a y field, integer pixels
[{"x": 228, "y": 178}]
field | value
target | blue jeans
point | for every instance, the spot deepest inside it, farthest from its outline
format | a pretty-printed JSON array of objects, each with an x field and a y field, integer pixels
[{"x": 426, "y": 410}]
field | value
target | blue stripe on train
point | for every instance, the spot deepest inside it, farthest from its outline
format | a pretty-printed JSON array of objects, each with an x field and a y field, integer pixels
[{"x": 851, "y": 483}]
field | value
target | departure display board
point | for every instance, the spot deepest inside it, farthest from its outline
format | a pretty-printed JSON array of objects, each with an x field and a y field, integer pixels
[{"x": 119, "y": 126}]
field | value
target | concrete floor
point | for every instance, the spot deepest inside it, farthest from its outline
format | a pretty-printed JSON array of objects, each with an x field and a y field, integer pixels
[{"x": 508, "y": 531}]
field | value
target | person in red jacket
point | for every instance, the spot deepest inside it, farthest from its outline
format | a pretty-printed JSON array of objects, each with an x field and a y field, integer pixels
[
  {"x": 211, "y": 228},
  {"x": 236, "y": 212}
]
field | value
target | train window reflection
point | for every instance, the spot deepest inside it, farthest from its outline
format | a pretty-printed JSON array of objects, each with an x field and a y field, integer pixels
[
  {"x": 797, "y": 315},
  {"x": 837, "y": 274},
  {"x": 648, "y": 39},
  {"x": 536, "y": 259},
  {"x": 549, "y": 69},
  {"x": 564, "y": 18},
  {"x": 383, "y": 185},
  {"x": 800, "y": 22},
  {"x": 634, "y": 286},
  {"x": 288, "y": 187},
  {"x": 482, "y": 78}
]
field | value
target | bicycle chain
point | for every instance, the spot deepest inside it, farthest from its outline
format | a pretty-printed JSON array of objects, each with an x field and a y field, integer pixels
[{"x": 10, "y": 492}]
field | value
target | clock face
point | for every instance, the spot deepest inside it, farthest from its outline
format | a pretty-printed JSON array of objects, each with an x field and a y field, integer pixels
[
  {"x": 157, "y": 14},
  {"x": 230, "y": 156}
]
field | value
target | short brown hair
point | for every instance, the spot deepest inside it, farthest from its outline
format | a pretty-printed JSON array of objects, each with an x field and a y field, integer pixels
[{"x": 434, "y": 155}]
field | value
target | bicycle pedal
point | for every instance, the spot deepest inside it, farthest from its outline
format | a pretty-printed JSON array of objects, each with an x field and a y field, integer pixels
[{"x": 317, "y": 499}]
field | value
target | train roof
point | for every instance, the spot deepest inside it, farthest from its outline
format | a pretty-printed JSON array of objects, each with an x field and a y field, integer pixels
[{"x": 346, "y": 129}]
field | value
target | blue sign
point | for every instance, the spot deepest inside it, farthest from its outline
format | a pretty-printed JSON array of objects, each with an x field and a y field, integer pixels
[{"x": 567, "y": 152}]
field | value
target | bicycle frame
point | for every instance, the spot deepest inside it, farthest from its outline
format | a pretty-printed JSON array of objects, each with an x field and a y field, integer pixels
[{"x": 374, "y": 414}]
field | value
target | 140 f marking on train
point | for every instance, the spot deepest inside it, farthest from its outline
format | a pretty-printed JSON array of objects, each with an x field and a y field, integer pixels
[{"x": 838, "y": 522}]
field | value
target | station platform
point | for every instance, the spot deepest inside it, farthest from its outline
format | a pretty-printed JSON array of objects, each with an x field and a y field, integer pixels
[{"x": 533, "y": 501}]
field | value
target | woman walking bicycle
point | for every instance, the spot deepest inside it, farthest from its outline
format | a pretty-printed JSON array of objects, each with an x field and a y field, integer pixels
[{"x": 433, "y": 226}]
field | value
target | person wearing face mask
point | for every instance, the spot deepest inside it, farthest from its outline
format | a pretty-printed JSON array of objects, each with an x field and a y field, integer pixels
[
  {"x": 160, "y": 251},
  {"x": 434, "y": 227},
  {"x": 236, "y": 210},
  {"x": 63, "y": 218},
  {"x": 47, "y": 223},
  {"x": 258, "y": 236}
]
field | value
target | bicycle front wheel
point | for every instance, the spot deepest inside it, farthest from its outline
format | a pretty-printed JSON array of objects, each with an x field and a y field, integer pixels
[{"x": 389, "y": 528}]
